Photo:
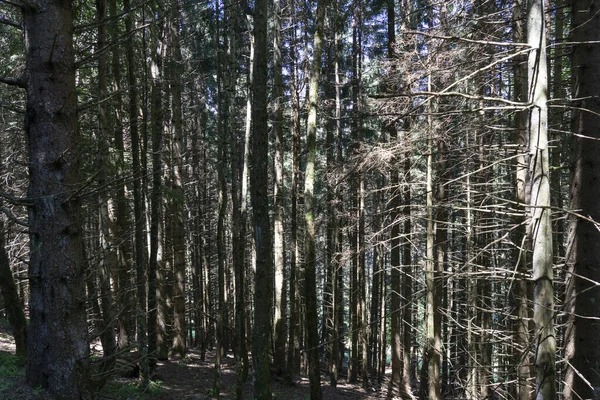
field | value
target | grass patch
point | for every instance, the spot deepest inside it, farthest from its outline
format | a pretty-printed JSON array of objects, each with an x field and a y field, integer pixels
[{"x": 12, "y": 375}]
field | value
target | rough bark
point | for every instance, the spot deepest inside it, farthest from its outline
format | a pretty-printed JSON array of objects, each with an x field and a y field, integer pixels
[
  {"x": 583, "y": 253},
  {"x": 58, "y": 353},
  {"x": 263, "y": 292}
]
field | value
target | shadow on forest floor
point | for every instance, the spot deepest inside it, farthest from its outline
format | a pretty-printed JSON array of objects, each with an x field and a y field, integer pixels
[{"x": 189, "y": 378}]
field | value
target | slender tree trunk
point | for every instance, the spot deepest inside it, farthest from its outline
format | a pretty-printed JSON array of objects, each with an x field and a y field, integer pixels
[
  {"x": 407, "y": 281},
  {"x": 263, "y": 291},
  {"x": 293, "y": 359},
  {"x": 522, "y": 286},
  {"x": 57, "y": 351},
  {"x": 431, "y": 351},
  {"x": 155, "y": 285},
  {"x": 540, "y": 225},
  {"x": 279, "y": 337},
  {"x": 140, "y": 251},
  {"x": 108, "y": 261},
  {"x": 222, "y": 207},
  {"x": 310, "y": 284},
  {"x": 124, "y": 299},
  {"x": 395, "y": 388}
]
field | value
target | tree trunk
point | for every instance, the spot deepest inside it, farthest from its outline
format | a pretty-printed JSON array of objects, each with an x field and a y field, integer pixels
[
  {"x": 222, "y": 211},
  {"x": 124, "y": 299},
  {"x": 138, "y": 210},
  {"x": 582, "y": 352},
  {"x": 310, "y": 285},
  {"x": 259, "y": 195},
  {"x": 279, "y": 337},
  {"x": 540, "y": 223},
  {"x": 11, "y": 301},
  {"x": 58, "y": 353},
  {"x": 179, "y": 248},
  {"x": 293, "y": 358},
  {"x": 108, "y": 259}
]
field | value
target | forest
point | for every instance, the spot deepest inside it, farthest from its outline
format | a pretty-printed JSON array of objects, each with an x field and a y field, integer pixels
[{"x": 397, "y": 199}]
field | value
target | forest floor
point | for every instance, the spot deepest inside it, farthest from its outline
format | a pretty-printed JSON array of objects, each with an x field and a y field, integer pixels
[{"x": 188, "y": 378}]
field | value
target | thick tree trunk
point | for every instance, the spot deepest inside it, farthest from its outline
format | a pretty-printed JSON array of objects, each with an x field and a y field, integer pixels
[
  {"x": 583, "y": 253},
  {"x": 58, "y": 353}
]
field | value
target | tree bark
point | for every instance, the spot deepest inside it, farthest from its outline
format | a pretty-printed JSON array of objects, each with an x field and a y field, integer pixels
[
  {"x": 539, "y": 212},
  {"x": 58, "y": 353},
  {"x": 263, "y": 292},
  {"x": 310, "y": 285},
  {"x": 583, "y": 252},
  {"x": 179, "y": 247}
]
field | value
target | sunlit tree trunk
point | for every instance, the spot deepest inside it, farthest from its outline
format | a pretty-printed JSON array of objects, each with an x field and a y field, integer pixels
[
  {"x": 539, "y": 212},
  {"x": 310, "y": 285},
  {"x": 279, "y": 321},
  {"x": 293, "y": 358},
  {"x": 179, "y": 247}
]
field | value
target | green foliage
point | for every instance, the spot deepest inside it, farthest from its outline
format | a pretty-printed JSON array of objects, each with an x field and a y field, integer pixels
[{"x": 12, "y": 373}]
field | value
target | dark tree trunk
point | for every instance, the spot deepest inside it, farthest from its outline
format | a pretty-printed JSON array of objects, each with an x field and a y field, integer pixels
[
  {"x": 582, "y": 351},
  {"x": 138, "y": 206},
  {"x": 11, "y": 301},
  {"x": 58, "y": 353},
  {"x": 259, "y": 195}
]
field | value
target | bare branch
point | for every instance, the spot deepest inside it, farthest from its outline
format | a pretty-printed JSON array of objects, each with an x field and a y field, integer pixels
[
  {"x": 14, "y": 82},
  {"x": 6, "y": 21},
  {"x": 461, "y": 39},
  {"x": 18, "y": 201},
  {"x": 9, "y": 214}
]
